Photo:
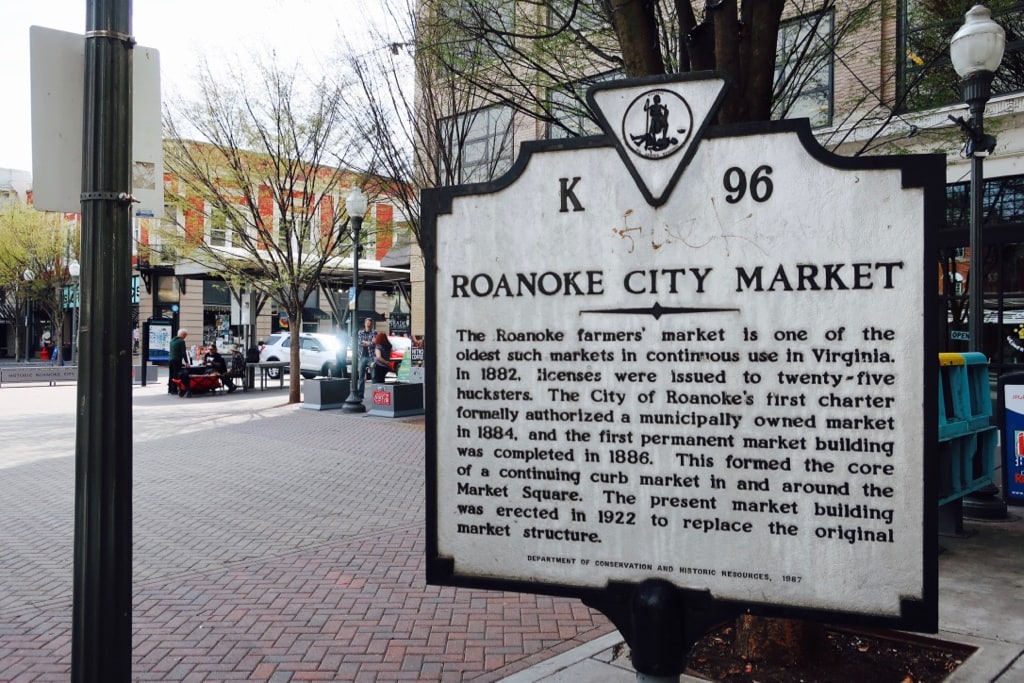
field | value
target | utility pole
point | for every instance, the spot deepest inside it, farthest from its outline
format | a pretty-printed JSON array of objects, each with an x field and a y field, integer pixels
[{"x": 101, "y": 612}]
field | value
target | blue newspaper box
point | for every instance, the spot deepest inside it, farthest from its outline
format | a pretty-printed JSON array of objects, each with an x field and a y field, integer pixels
[{"x": 1011, "y": 418}]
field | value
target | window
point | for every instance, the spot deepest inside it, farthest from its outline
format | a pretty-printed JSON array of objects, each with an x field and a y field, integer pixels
[
  {"x": 477, "y": 30},
  {"x": 569, "y": 108},
  {"x": 218, "y": 235},
  {"x": 926, "y": 75},
  {"x": 307, "y": 219},
  {"x": 578, "y": 15},
  {"x": 1002, "y": 199},
  {"x": 476, "y": 147},
  {"x": 803, "y": 69},
  {"x": 301, "y": 225}
]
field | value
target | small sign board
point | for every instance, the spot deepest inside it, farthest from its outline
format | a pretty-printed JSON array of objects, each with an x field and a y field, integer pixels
[
  {"x": 687, "y": 353},
  {"x": 58, "y": 104},
  {"x": 160, "y": 333},
  {"x": 38, "y": 373}
]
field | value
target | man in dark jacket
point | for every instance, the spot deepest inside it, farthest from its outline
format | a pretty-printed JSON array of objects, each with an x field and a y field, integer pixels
[
  {"x": 218, "y": 366},
  {"x": 175, "y": 360}
]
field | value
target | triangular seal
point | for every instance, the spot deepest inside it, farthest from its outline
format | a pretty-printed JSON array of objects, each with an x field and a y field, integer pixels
[{"x": 657, "y": 124}]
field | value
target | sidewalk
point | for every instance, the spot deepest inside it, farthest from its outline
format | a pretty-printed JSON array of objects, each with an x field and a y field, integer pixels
[
  {"x": 273, "y": 543},
  {"x": 981, "y": 603}
]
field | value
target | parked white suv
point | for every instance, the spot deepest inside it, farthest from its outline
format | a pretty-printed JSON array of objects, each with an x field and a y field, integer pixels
[{"x": 318, "y": 353}]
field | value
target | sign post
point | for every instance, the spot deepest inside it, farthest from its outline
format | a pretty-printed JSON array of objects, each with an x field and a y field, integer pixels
[{"x": 687, "y": 361}]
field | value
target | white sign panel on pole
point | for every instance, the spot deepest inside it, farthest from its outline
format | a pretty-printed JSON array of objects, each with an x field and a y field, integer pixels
[
  {"x": 690, "y": 354},
  {"x": 58, "y": 87}
]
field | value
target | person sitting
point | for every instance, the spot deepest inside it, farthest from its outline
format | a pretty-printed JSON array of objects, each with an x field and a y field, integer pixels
[
  {"x": 237, "y": 369},
  {"x": 252, "y": 355},
  {"x": 216, "y": 365}
]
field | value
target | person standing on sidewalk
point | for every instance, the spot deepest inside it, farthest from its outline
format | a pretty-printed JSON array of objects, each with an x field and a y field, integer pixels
[
  {"x": 175, "y": 359},
  {"x": 367, "y": 346},
  {"x": 381, "y": 358}
]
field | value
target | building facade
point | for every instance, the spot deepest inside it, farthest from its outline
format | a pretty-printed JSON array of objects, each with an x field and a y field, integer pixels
[{"x": 180, "y": 259}]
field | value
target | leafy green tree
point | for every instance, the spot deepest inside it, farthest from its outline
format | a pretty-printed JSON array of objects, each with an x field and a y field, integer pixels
[{"x": 39, "y": 245}]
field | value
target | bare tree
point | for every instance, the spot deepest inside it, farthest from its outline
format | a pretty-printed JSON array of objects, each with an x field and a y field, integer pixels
[
  {"x": 260, "y": 199},
  {"x": 441, "y": 75}
]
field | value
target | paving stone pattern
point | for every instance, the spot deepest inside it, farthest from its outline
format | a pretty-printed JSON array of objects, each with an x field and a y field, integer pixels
[{"x": 276, "y": 545}]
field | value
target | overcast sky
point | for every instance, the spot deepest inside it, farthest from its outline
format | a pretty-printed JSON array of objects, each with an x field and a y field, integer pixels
[{"x": 182, "y": 31}]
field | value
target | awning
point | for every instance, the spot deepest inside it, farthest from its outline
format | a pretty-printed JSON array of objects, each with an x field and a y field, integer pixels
[
  {"x": 373, "y": 275},
  {"x": 397, "y": 257}
]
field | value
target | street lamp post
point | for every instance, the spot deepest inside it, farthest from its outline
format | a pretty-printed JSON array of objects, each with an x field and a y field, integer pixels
[
  {"x": 355, "y": 204},
  {"x": 74, "y": 270},
  {"x": 28, "y": 275},
  {"x": 976, "y": 51}
]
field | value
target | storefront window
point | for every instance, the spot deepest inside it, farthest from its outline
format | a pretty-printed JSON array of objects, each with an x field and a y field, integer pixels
[
  {"x": 217, "y": 313},
  {"x": 1003, "y": 267}
]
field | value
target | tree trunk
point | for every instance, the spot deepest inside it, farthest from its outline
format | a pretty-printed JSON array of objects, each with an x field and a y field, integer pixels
[
  {"x": 637, "y": 29},
  {"x": 786, "y": 641},
  {"x": 758, "y": 45},
  {"x": 724, "y": 16},
  {"x": 294, "y": 361}
]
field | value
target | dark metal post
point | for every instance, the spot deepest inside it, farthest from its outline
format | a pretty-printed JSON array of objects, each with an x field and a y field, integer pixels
[
  {"x": 143, "y": 351},
  {"x": 101, "y": 609},
  {"x": 984, "y": 503},
  {"x": 353, "y": 404},
  {"x": 658, "y": 632},
  {"x": 28, "y": 331},
  {"x": 74, "y": 321},
  {"x": 977, "y": 89}
]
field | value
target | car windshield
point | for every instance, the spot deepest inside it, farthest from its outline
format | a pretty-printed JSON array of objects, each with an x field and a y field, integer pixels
[{"x": 400, "y": 343}]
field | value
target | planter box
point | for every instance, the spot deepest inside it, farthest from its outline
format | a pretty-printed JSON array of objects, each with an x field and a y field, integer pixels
[
  {"x": 151, "y": 374},
  {"x": 324, "y": 393},
  {"x": 397, "y": 400}
]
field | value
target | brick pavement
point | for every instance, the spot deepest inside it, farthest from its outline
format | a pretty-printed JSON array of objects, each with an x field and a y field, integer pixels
[{"x": 271, "y": 544}]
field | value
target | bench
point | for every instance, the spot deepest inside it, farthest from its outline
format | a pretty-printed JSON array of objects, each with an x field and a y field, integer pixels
[{"x": 264, "y": 368}]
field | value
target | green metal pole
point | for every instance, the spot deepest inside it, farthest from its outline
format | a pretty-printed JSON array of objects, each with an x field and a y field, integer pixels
[{"x": 101, "y": 608}]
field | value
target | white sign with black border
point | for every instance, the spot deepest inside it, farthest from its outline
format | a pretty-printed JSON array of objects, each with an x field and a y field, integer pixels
[{"x": 690, "y": 353}]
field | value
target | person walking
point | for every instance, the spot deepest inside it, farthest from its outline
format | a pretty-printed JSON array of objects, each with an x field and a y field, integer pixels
[
  {"x": 175, "y": 359},
  {"x": 367, "y": 344}
]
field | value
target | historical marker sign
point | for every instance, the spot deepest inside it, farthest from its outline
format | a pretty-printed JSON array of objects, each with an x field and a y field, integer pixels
[{"x": 688, "y": 353}]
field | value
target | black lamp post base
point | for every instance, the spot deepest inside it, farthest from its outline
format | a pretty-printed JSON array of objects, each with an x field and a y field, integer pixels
[
  {"x": 985, "y": 504},
  {"x": 353, "y": 405}
]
